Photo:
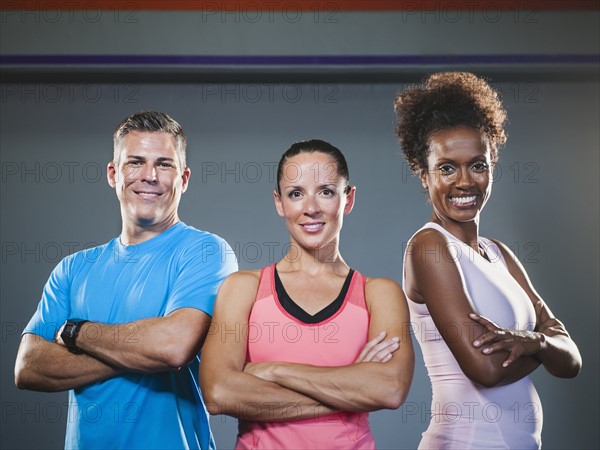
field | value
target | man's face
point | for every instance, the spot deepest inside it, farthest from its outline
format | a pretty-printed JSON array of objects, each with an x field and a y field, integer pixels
[{"x": 149, "y": 180}]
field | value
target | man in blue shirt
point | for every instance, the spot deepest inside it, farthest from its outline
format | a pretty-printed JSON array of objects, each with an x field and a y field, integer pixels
[{"x": 121, "y": 325}]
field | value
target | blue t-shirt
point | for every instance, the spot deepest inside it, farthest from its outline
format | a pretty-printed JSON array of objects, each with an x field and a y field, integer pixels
[{"x": 115, "y": 284}]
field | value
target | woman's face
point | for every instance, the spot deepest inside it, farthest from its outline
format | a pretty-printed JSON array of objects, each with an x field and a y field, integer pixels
[
  {"x": 458, "y": 175},
  {"x": 313, "y": 200}
]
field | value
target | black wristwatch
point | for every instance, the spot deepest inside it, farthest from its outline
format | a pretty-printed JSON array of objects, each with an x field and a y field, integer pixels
[{"x": 70, "y": 332}]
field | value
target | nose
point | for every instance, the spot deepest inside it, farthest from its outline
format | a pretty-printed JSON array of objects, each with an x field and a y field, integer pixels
[
  {"x": 148, "y": 173},
  {"x": 464, "y": 178},
  {"x": 311, "y": 206}
]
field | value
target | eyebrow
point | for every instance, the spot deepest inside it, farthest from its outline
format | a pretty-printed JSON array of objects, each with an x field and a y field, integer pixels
[
  {"x": 291, "y": 187},
  {"x": 142, "y": 158},
  {"x": 449, "y": 160},
  {"x": 320, "y": 186}
]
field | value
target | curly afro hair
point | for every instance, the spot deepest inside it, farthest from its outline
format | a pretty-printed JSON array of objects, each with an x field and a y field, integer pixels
[{"x": 443, "y": 101}]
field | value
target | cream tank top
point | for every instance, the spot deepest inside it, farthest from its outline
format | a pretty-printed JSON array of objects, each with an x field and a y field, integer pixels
[{"x": 462, "y": 413}]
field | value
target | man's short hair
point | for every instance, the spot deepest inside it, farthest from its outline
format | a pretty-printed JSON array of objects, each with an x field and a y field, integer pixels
[{"x": 153, "y": 122}]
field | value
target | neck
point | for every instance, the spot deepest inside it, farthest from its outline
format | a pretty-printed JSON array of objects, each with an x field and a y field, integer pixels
[
  {"x": 136, "y": 233},
  {"x": 467, "y": 232},
  {"x": 313, "y": 261}
]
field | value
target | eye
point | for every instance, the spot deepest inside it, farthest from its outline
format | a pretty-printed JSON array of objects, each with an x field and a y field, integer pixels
[
  {"x": 328, "y": 192},
  {"x": 446, "y": 169},
  {"x": 165, "y": 164},
  {"x": 294, "y": 194},
  {"x": 134, "y": 162},
  {"x": 480, "y": 167}
]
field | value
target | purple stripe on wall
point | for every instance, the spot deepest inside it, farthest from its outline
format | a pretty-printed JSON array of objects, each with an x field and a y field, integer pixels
[{"x": 316, "y": 60}]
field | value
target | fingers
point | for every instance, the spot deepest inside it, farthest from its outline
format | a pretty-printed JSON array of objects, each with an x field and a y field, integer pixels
[
  {"x": 490, "y": 336},
  {"x": 386, "y": 358},
  {"x": 511, "y": 357},
  {"x": 494, "y": 334},
  {"x": 494, "y": 341},
  {"x": 516, "y": 343},
  {"x": 514, "y": 352},
  {"x": 378, "y": 350},
  {"x": 483, "y": 321},
  {"x": 498, "y": 346},
  {"x": 383, "y": 352},
  {"x": 509, "y": 345},
  {"x": 369, "y": 345}
]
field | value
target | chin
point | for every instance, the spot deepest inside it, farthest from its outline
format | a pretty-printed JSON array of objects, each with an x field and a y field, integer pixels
[
  {"x": 467, "y": 217},
  {"x": 145, "y": 220}
]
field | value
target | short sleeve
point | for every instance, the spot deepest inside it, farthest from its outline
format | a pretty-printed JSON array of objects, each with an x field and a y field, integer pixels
[
  {"x": 204, "y": 264},
  {"x": 54, "y": 307}
]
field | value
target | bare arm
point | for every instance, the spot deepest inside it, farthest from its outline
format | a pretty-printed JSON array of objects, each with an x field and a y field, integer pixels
[
  {"x": 149, "y": 345},
  {"x": 552, "y": 344},
  {"x": 362, "y": 386},
  {"x": 47, "y": 366},
  {"x": 433, "y": 278},
  {"x": 225, "y": 386}
]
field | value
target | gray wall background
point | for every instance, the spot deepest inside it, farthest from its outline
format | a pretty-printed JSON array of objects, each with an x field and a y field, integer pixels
[{"x": 55, "y": 141}]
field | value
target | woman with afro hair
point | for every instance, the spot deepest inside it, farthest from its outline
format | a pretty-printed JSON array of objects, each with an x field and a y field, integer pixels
[{"x": 480, "y": 323}]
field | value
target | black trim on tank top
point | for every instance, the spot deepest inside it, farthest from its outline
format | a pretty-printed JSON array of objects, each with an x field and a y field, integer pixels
[{"x": 293, "y": 309}]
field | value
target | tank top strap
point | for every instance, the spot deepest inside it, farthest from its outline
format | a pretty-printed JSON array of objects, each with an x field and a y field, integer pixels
[
  {"x": 492, "y": 251},
  {"x": 439, "y": 228},
  {"x": 266, "y": 285},
  {"x": 356, "y": 291}
]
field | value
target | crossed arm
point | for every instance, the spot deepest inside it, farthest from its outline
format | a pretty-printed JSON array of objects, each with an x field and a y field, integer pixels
[
  {"x": 149, "y": 345},
  {"x": 487, "y": 354},
  {"x": 368, "y": 384},
  {"x": 550, "y": 343},
  {"x": 379, "y": 378}
]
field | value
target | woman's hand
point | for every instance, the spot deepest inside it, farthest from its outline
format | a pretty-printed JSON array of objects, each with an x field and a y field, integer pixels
[
  {"x": 378, "y": 350},
  {"x": 517, "y": 343}
]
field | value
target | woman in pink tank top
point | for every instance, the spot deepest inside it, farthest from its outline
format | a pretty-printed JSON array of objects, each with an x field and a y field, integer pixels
[
  {"x": 302, "y": 350},
  {"x": 481, "y": 325}
]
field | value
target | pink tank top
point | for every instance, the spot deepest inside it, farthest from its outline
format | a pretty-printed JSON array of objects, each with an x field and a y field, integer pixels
[{"x": 276, "y": 335}]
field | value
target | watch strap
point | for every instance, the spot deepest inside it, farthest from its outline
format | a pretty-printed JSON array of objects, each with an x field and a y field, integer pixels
[{"x": 70, "y": 332}]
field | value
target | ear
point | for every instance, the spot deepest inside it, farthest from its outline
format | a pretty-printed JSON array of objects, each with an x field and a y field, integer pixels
[
  {"x": 350, "y": 197},
  {"x": 185, "y": 178},
  {"x": 423, "y": 177},
  {"x": 278, "y": 203},
  {"x": 111, "y": 174}
]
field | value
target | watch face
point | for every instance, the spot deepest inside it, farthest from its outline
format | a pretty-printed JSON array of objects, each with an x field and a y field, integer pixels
[
  {"x": 69, "y": 335},
  {"x": 68, "y": 330}
]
